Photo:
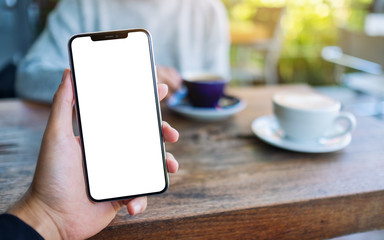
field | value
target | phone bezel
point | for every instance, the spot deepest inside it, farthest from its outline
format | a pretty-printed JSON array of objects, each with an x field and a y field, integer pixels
[{"x": 104, "y": 36}]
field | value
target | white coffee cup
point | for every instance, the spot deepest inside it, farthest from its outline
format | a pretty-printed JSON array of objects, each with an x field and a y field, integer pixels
[{"x": 309, "y": 116}]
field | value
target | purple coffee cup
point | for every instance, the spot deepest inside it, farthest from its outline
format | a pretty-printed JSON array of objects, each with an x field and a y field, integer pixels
[{"x": 204, "y": 89}]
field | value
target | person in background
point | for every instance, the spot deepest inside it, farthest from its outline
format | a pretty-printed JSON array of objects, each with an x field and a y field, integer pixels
[
  {"x": 188, "y": 36},
  {"x": 56, "y": 205}
]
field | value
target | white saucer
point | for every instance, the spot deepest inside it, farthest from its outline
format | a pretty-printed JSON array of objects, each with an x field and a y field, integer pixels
[
  {"x": 227, "y": 107},
  {"x": 268, "y": 130}
]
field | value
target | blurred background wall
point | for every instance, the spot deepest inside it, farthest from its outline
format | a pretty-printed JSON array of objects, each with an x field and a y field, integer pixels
[{"x": 274, "y": 41}]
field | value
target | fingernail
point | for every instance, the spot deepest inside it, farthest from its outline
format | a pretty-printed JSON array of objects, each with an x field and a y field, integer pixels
[
  {"x": 64, "y": 75},
  {"x": 166, "y": 124},
  {"x": 136, "y": 208}
]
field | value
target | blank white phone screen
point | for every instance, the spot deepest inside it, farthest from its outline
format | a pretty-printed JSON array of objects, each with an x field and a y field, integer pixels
[{"x": 117, "y": 107}]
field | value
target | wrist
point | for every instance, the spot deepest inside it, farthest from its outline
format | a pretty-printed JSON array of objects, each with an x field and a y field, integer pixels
[{"x": 35, "y": 214}]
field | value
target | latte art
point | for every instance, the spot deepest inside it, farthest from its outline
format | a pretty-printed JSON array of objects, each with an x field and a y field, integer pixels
[{"x": 305, "y": 101}]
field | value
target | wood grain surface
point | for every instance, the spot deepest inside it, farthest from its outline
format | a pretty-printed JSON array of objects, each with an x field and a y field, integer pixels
[{"x": 230, "y": 185}]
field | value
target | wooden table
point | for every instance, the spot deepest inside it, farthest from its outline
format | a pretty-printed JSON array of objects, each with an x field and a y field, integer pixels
[{"x": 230, "y": 185}]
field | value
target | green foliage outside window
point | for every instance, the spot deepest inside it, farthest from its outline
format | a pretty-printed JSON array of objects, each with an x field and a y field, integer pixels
[{"x": 308, "y": 26}]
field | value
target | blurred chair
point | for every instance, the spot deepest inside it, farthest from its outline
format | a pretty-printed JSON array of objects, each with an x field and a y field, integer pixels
[
  {"x": 17, "y": 31},
  {"x": 365, "y": 55},
  {"x": 263, "y": 37}
]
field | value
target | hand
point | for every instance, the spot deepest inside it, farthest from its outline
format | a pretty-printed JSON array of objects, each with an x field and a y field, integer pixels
[
  {"x": 170, "y": 77},
  {"x": 56, "y": 204}
]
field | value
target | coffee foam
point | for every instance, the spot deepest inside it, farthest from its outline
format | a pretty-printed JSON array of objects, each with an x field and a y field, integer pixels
[{"x": 305, "y": 101}]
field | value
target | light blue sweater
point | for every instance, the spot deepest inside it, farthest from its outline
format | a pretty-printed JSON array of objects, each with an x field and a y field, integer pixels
[{"x": 189, "y": 35}]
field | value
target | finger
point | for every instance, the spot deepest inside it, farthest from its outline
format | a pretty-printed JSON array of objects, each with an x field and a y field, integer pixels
[
  {"x": 172, "y": 163},
  {"x": 169, "y": 133},
  {"x": 169, "y": 76},
  {"x": 137, "y": 205},
  {"x": 173, "y": 86},
  {"x": 62, "y": 106},
  {"x": 173, "y": 80},
  {"x": 162, "y": 90},
  {"x": 117, "y": 205}
]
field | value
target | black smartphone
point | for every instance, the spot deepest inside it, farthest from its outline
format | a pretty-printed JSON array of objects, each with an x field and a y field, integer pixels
[{"x": 118, "y": 112}]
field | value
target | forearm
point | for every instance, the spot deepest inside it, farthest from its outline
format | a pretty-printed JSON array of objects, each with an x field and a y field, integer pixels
[
  {"x": 12, "y": 227},
  {"x": 34, "y": 213},
  {"x": 40, "y": 71},
  {"x": 38, "y": 84}
]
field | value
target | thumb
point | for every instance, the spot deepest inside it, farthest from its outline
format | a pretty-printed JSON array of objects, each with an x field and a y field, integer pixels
[
  {"x": 60, "y": 118},
  {"x": 162, "y": 90}
]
